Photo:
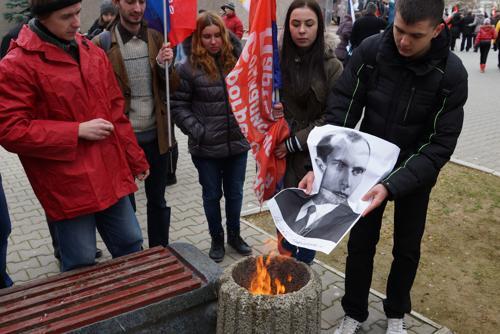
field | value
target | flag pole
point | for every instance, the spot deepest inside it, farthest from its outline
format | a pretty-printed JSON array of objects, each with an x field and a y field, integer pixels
[
  {"x": 167, "y": 91},
  {"x": 167, "y": 83}
]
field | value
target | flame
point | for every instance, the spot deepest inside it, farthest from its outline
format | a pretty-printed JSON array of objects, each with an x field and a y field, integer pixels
[{"x": 261, "y": 281}]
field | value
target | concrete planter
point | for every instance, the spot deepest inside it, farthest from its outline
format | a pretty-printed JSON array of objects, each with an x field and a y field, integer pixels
[{"x": 297, "y": 311}]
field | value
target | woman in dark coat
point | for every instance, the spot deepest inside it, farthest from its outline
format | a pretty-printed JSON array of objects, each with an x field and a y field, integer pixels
[
  {"x": 309, "y": 71},
  {"x": 200, "y": 107}
]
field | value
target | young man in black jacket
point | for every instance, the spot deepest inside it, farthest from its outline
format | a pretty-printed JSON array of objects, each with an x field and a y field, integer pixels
[{"x": 412, "y": 90}]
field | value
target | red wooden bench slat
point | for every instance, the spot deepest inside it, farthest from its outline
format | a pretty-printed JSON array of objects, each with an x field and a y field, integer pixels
[
  {"x": 70, "y": 290},
  {"x": 110, "y": 305},
  {"x": 75, "y": 277},
  {"x": 56, "y": 304}
]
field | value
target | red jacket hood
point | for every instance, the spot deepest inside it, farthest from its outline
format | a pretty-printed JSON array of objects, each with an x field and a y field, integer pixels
[{"x": 30, "y": 41}]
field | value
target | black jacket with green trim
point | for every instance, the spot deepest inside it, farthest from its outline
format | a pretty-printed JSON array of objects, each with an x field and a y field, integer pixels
[{"x": 417, "y": 105}]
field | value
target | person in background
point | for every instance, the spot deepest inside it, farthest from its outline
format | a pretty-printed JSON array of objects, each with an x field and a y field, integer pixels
[
  {"x": 310, "y": 70},
  {"x": 478, "y": 21},
  {"x": 232, "y": 21},
  {"x": 108, "y": 14},
  {"x": 410, "y": 68},
  {"x": 485, "y": 37},
  {"x": 366, "y": 25},
  {"x": 495, "y": 18},
  {"x": 5, "y": 228},
  {"x": 455, "y": 25},
  {"x": 61, "y": 111},
  {"x": 201, "y": 109},
  {"x": 139, "y": 56},
  {"x": 467, "y": 32},
  {"x": 344, "y": 32}
]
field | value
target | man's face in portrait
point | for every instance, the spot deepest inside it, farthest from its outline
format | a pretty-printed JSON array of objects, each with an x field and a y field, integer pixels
[{"x": 344, "y": 167}]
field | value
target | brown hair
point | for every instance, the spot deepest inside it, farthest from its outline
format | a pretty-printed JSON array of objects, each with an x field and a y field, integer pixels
[{"x": 201, "y": 58}]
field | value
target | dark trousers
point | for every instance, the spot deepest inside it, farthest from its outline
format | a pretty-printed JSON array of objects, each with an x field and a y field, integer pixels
[
  {"x": 409, "y": 223},
  {"x": 466, "y": 43},
  {"x": 5, "y": 228},
  {"x": 158, "y": 213},
  {"x": 222, "y": 176},
  {"x": 484, "y": 49},
  {"x": 452, "y": 43}
]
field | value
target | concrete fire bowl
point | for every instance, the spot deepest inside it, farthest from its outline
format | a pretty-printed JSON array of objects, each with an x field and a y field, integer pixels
[{"x": 296, "y": 311}]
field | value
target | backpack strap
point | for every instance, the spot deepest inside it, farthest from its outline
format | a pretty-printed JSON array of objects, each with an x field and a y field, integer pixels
[{"x": 105, "y": 40}]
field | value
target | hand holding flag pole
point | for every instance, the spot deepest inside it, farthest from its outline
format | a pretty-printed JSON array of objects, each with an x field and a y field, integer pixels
[{"x": 176, "y": 19}]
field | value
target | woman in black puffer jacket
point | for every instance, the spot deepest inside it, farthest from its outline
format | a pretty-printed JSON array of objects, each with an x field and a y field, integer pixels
[{"x": 201, "y": 109}]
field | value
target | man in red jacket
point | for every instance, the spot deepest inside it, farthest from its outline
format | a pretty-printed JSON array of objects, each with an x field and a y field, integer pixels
[
  {"x": 61, "y": 111},
  {"x": 231, "y": 21}
]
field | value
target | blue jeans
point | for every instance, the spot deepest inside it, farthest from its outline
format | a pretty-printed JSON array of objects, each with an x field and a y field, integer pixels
[
  {"x": 158, "y": 213},
  {"x": 117, "y": 226},
  {"x": 5, "y": 226},
  {"x": 216, "y": 175}
]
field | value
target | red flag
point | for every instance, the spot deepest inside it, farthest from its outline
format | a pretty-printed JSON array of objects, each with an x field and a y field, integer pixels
[
  {"x": 250, "y": 89},
  {"x": 181, "y": 19}
]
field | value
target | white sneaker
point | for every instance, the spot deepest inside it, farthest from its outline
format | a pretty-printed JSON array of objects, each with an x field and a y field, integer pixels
[
  {"x": 348, "y": 326},
  {"x": 396, "y": 326}
]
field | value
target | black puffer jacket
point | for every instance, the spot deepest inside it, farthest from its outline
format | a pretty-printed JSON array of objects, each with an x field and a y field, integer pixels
[
  {"x": 408, "y": 103},
  {"x": 201, "y": 109}
]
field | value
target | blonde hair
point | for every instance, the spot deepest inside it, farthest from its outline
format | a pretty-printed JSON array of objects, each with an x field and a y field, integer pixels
[{"x": 200, "y": 56}]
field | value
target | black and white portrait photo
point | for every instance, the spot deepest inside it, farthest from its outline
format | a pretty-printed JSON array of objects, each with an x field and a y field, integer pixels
[{"x": 346, "y": 164}]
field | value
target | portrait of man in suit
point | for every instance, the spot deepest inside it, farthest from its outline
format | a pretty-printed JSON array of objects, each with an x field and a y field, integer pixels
[{"x": 342, "y": 159}]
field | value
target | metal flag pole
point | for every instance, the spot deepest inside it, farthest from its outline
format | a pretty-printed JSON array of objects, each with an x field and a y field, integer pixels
[
  {"x": 167, "y": 89},
  {"x": 167, "y": 83}
]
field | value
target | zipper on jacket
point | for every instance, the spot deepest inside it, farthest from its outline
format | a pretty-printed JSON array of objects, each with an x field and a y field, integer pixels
[
  {"x": 228, "y": 106},
  {"x": 410, "y": 100}
]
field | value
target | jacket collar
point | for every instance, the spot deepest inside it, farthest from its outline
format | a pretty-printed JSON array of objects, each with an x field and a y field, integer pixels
[
  {"x": 30, "y": 41},
  {"x": 127, "y": 35},
  {"x": 388, "y": 52}
]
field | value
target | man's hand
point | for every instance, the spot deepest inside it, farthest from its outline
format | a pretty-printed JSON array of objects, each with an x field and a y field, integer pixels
[
  {"x": 280, "y": 151},
  {"x": 277, "y": 110},
  {"x": 96, "y": 129},
  {"x": 142, "y": 176},
  {"x": 166, "y": 54},
  {"x": 378, "y": 194},
  {"x": 306, "y": 183}
]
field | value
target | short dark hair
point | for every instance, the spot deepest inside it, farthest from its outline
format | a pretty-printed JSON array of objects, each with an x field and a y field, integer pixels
[
  {"x": 413, "y": 11},
  {"x": 325, "y": 148},
  {"x": 370, "y": 9}
]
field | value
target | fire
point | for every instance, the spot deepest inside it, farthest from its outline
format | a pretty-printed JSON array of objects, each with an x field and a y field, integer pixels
[{"x": 261, "y": 283}]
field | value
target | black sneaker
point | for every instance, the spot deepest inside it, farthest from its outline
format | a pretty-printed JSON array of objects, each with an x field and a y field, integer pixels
[{"x": 217, "y": 250}]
